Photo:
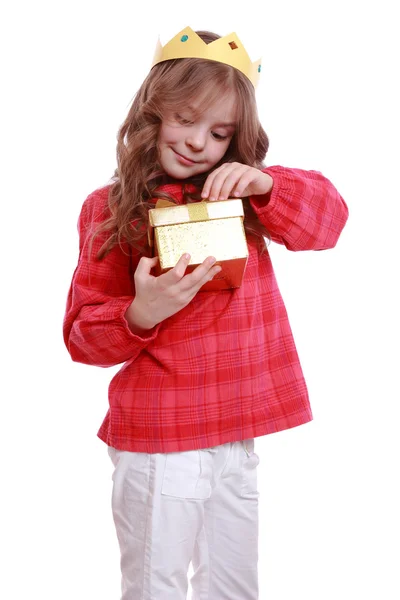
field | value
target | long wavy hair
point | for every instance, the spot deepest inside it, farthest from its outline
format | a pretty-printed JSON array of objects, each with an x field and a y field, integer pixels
[{"x": 172, "y": 86}]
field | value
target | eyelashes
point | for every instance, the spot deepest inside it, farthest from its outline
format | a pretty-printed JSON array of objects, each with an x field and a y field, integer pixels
[
  {"x": 182, "y": 121},
  {"x": 218, "y": 136}
]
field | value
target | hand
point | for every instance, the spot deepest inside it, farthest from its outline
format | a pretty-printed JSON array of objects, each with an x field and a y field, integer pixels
[
  {"x": 235, "y": 179},
  {"x": 158, "y": 298}
]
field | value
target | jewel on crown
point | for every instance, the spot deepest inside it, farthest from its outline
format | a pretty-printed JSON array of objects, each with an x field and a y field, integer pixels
[{"x": 228, "y": 49}]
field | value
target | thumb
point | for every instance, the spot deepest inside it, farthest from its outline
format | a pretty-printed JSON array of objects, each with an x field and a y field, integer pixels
[{"x": 146, "y": 264}]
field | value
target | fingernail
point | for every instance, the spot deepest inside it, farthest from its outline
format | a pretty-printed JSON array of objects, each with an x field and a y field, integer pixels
[
  {"x": 212, "y": 198},
  {"x": 237, "y": 194},
  {"x": 187, "y": 256}
]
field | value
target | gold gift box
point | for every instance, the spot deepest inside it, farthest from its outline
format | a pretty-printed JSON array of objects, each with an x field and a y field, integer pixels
[{"x": 202, "y": 229}]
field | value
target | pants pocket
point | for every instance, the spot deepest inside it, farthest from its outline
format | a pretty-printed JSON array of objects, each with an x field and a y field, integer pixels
[
  {"x": 188, "y": 475},
  {"x": 249, "y": 470}
]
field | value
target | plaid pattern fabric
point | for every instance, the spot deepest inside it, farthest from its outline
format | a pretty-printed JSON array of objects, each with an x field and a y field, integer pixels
[{"x": 223, "y": 369}]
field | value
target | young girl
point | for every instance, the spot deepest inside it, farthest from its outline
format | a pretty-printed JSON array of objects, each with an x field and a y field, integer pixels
[{"x": 204, "y": 373}]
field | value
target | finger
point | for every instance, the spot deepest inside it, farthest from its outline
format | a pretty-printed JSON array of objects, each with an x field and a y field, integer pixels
[
  {"x": 210, "y": 275},
  {"x": 225, "y": 182},
  {"x": 210, "y": 179},
  {"x": 232, "y": 181},
  {"x": 192, "y": 291},
  {"x": 218, "y": 180},
  {"x": 194, "y": 280},
  {"x": 145, "y": 265},
  {"x": 244, "y": 182},
  {"x": 207, "y": 277},
  {"x": 175, "y": 274}
]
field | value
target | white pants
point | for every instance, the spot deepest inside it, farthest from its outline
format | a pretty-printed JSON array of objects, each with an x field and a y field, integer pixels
[{"x": 174, "y": 508}]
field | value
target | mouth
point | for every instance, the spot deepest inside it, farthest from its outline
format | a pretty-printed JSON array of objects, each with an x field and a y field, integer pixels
[{"x": 184, "y": 159}]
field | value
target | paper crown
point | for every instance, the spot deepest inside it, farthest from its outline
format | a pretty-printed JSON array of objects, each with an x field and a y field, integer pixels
[{"x": 228, "y": 49}]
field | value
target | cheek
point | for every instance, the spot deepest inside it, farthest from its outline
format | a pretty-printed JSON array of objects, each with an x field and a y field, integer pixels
[
  {"x": 167, "y": 134},
  {"x": 219, "y": 150}
]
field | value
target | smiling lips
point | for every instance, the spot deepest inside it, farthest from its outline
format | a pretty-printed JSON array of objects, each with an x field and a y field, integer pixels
[{"x": 184, "y": 159}]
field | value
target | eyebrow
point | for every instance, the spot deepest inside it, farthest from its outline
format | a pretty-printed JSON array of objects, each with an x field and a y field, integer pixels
[
  {"x": 225, "y": 125},
  {"x": 220, "y": 124}
]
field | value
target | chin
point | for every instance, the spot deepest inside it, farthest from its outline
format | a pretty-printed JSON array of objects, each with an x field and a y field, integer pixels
[{"x": 177, "y": 172}]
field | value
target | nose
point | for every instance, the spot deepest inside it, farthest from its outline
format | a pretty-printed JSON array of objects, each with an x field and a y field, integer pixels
[{"x": 196, "y": 139}]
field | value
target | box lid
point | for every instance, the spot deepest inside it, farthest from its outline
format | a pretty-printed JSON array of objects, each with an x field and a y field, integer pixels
[{"x": 198, "y": 211}]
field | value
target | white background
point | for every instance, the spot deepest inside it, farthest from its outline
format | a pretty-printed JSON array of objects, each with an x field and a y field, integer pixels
[{"x": 329, "y": 524}]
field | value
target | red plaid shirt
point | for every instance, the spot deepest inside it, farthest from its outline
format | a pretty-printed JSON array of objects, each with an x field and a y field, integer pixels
[{"x": 225, "y": 367}]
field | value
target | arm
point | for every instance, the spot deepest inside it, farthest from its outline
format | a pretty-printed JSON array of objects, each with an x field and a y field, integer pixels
[
  {"x": 96, "y": 329},
  {"x": 303, "y": 210}
]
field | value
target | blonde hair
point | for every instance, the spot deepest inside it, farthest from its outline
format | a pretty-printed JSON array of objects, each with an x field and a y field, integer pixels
[{"x": 173, "y": 85}]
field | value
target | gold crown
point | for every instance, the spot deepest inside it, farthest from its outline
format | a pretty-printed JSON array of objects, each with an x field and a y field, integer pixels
[{"x": 227, "y": 49}]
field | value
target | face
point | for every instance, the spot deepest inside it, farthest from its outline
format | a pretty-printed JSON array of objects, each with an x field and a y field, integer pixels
[{"x": 192, "y": 142}]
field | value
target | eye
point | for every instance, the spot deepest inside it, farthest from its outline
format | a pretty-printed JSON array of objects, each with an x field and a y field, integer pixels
[
  {"x": 218, "y": 136},
  {"x": 182, "y": 120}
]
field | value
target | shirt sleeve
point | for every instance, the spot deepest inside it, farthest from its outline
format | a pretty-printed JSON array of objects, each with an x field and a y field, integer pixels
[
  {"x": 95, "y": 329},
  {"x": 303, "y": 211}
]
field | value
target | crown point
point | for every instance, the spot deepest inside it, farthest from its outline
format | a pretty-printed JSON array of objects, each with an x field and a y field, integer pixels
[{"x": 228, "y": 50}]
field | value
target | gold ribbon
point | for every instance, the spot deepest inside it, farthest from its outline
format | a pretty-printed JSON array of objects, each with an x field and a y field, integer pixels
[{"x": 164, "y": 203}]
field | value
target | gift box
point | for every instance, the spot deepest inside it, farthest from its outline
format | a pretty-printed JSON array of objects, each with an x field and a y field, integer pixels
[{"x": 202, "y": 229}]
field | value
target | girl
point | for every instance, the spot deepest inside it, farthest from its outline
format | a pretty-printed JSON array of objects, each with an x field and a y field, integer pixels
[{"x": 204, "y": 373}]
